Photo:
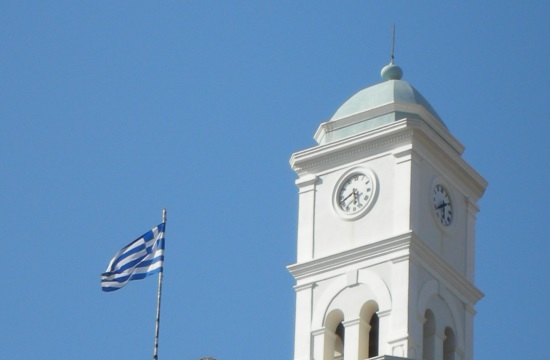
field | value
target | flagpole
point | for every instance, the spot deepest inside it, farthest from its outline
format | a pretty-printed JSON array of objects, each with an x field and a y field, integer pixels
[{"x": 159, "y": 294}]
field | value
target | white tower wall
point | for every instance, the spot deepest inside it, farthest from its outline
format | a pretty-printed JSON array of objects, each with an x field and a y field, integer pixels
[{"x": 391, "y": 273}]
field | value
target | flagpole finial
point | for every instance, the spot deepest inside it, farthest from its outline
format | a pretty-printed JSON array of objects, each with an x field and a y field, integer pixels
[{"x": 163, "y": 215}]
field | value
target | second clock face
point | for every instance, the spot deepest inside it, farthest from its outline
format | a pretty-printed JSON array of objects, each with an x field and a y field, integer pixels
[
  {"x": 355, "y": 193},
  {"x": 442, "y": 205}
]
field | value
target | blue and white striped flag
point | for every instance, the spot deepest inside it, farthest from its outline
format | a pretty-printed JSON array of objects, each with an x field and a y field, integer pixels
[{"x": 141, "y": 258}]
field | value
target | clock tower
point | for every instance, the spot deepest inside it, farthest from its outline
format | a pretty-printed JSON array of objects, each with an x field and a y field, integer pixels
[{"x": 386, "y": 232}]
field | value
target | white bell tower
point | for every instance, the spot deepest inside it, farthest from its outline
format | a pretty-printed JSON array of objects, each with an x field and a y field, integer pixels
[{"x": 386, "y": 233}]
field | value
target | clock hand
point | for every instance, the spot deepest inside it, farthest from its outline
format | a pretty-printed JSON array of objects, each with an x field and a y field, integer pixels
[
  {"x": 441, "y": 206},
  {"x": 356, "y": 196},
  {"x": 347, "y": 197}
]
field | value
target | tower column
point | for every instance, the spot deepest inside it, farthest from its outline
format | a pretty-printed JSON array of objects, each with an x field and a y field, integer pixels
[
  {"x": 439, "y": 338},
  {"x": 354, "y": 339},
  {"x": 469, "y": 333},
  {"x": 384, "y": 331},
  {"x": 399, "y": 326},
  {"x": 323, "y": 344},
  {"x": 302, "y": 348}
]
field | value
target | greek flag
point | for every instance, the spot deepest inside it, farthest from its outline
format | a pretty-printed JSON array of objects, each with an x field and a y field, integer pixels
[{"x": 141, "y": 258}]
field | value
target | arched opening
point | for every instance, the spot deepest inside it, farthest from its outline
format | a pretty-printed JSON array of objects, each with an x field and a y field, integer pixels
[
  {"x": 449, "y": 345},
  {"x": 339, "y": 339},
  {"x": 369, "y": 331},
  {"x": 334, "y": 336},
  {"x": 374, "y": 335},
  {"x": 428, "y": 336}
]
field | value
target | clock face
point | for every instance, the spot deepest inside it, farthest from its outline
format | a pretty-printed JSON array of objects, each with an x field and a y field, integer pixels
[
  {"x": 355, "y": 193},
  {"x": 442, "y": 205}
]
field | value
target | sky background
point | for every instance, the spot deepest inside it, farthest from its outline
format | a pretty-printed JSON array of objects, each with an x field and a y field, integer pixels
[{"x": 112, "y": 110}]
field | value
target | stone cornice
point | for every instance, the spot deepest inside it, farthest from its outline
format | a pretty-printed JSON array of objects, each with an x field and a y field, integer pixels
[
  {"x": 399, "y": 248},
  {"x": 393, "y": 107},
  {"x": 454, "y": 162},
  {"x": 322, "y": 155},
  {"x": 319, "y": 156},
  {"x": 366, "y": 252},
  {"x": 424, "y": 256},
  {"x": 392, "y": 137},
  {"x": 332, "y": 125}
]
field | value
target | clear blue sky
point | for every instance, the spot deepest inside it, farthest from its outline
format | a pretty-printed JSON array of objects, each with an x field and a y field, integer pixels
[{"x": 112, "y": 110}]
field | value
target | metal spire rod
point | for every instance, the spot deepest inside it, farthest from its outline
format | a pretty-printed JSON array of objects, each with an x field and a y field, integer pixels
[
  {"x": 159, "y": 294},
  {"x": 392, "y": 44}
]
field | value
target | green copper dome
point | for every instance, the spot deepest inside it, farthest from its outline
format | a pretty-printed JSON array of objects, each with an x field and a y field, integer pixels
[
  {"x": 387, "y": 92},
  {"x": 377, "y": 105}
]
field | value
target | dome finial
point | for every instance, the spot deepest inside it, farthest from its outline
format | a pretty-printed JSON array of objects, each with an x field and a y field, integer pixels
[{"x": 392, "y": 71}]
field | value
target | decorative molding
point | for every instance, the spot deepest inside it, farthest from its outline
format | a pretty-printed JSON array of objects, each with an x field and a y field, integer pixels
[
  {"x": 383, "y": 313},
  {"x": 361, "y": 143},
  {"x": 308, "y": 286},
  {"x": 370, "y": 251},
  {"x": 306, "y": 181},
  {"x": 440, "y": 150},
  {"x": 399, "y": 248},
  {"x": 354, "y": 322},
  {"x": 399, "y": 259},
  {"x": 352, "y": 277},
  {"x": 455, "y": 282},
  {"x": 326, "y": 128}
]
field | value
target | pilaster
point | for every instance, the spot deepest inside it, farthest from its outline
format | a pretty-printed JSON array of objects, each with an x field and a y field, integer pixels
[
  {"x": 306, "y": 217},
  {"x": 304, "y": 298},
  {"x": 323, "y": 343}
]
